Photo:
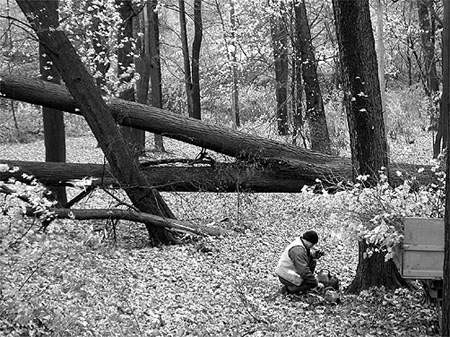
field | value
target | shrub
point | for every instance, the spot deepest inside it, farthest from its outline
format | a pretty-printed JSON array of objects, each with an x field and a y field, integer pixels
[{"x": 375, "y": 213}]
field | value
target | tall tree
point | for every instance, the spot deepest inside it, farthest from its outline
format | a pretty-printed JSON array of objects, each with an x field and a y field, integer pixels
[
  {"x": 229, "y": 36},
  {"x": 442, "y": 132},
  {"x": 125, "y": 67},
  {"x": 427, "y": 24},
  {"x": 232, "y": 55},
  {"x": 296, "y": 80},
  {"x": 380, "y": 48},
  {"x": 152, "y": 40},
  {"x": 315, "y": 112},
  {"x": 54, "y": 134},
  {"x": 279, "y": 34},
  {"x": 192, "y": 75},
  {"x": 186, "y": 58},
  {"x": 143, "y": 60},
  {"x": 365, "y": 121},
  {"x": 196, "y": 46},
  {"x": 81, "y": 85},
  {"x": 445, "y": 331}
]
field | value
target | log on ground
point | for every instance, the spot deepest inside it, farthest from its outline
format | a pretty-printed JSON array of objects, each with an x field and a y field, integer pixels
[
  {"x": 130, "y": 215},
  {"x": 222, "y": 177}
]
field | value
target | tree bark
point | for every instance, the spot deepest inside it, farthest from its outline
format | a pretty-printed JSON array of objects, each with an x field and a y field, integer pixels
[
  {"x": 280, "y": 53},
  {"x": 53, "y": 120},
  {"x": 82, "y": 87},
  {"x": 220, "y": 177},
  {"x": 296, "y": 82},
  {"x": 235, "y": 110},
  {"x": 429, "y": 72},
  {"x": 130, "y": 215},
  {"x": 196, "y": 46},
  {"x": 365, "y": 120},
  {"x": 373, "y": 271},
  {"x": 381, "y": 55},
  {"x": 315, "y": 112},
  {"x": 143, "y": 61},
  {"x": 442, "y": 131},
  {"x": 125, "y": 62},
  {"x": 155, "y": 63},
  {"x": 427, "y": 33},
  {"x": 186, "y": 58},
  {"x": 445, "y": 331}
]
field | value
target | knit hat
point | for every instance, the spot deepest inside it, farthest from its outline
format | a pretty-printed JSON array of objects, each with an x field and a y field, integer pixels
[{"x": 311, "y": 236}]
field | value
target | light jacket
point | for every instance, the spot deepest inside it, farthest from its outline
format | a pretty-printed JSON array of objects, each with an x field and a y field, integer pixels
[{"x": 292, "y": 272}]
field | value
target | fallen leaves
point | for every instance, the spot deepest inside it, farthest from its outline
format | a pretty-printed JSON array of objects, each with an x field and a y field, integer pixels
[{"x": 88, "y": 284}]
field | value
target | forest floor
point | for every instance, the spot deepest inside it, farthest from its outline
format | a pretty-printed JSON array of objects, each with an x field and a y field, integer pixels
[{"x": 102, "y": 279}]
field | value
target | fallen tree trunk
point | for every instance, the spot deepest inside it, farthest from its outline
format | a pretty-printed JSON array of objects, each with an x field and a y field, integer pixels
[
  {"x": 218, "y": 178},
  {"x": 230, "y": 142},
  {"x": 281, "y": 162},
  {"x": 124, "y": 214}
]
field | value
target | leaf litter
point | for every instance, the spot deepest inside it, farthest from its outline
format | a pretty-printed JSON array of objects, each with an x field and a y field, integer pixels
[{"x": 101, "y": 279}]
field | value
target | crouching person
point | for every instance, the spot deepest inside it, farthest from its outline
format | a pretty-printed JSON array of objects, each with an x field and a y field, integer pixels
[{"x": 296, "y": 266}]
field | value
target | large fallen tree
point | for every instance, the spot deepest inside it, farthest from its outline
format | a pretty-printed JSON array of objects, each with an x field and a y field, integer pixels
[
  {"x": 284, "y": 167},
  {"x": 220, "y": 177}
]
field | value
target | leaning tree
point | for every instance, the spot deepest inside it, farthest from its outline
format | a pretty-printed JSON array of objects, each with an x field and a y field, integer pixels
[
  {"x": 365, "y": 121},
  {"x": 80, "y": 84}
]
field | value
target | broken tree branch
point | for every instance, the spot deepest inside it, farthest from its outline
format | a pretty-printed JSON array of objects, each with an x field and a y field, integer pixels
[{"x": 130, "y": 215}]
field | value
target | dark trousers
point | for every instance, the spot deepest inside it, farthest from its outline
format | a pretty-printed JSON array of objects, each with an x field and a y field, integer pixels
[{"x": 304, "y": 287}]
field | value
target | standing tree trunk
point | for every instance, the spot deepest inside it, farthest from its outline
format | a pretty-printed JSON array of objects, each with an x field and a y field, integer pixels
[
  {"x": 142, "y": 62},
  {"x": 235, "y": 111},
  {"x": 431, "y": 81},
  {"x": 365, "y": 122},
  {"x": 446, "y": 111},
  {"x": 135, "y": 138},
  {"x": 186, "y": 60},
  {"x": 442, "y": 131},
  {"x": 381, "y": 55},
  {"x": 196, "y": 45},
  {"x": 81, "y": 85},
  {"x": 53, "y": 120},
  {"x": 427, "y": 33},
  {"x": 296, "y": 84},
  {"x": 315, "y": 112},
  {"x": 280, "y": 53},
  {"x": 152, "y": 39}
]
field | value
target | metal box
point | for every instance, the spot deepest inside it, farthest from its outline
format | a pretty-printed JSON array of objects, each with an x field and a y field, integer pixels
[{"x": 421, "y": 256}]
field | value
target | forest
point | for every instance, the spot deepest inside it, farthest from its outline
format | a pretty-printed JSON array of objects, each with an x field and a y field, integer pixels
[{"x": 162, "y": 160}]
